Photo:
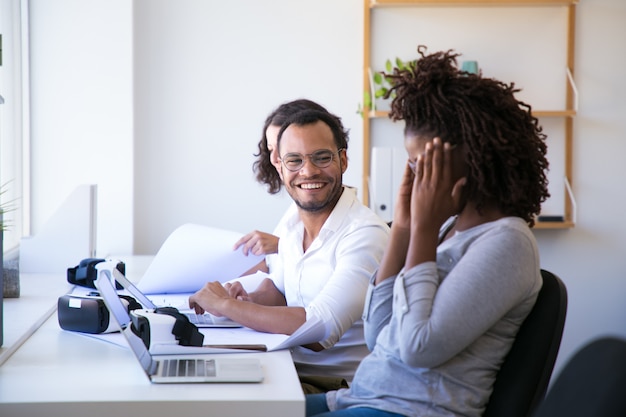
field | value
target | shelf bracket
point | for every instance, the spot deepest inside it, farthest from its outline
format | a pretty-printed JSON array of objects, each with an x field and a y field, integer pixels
[
  {"x": 572, "y": 199},
  {"x": 572, "y": 84}
]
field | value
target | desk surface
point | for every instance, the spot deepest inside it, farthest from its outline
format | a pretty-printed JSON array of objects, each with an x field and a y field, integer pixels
[{"x": 60, "y": 373}]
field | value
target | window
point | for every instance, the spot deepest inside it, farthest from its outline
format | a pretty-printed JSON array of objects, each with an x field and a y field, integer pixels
[{"x": 13, "y": 120}]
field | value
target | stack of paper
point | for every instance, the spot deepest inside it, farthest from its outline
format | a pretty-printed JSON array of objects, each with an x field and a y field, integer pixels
[{"x": 192, "y": 256}]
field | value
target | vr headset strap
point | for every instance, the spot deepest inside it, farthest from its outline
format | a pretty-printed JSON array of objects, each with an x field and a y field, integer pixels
[{"x": 183, "y": 330}]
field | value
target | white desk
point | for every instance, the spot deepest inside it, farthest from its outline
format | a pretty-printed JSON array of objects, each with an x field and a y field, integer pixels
[{"x": 60, "y": 373}]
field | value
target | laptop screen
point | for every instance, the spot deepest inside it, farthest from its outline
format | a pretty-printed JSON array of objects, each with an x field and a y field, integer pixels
[
  {"x": 133, "y": 290},
  {"x": 110, "y": 297},
  {"x": 120, "y": 315}
]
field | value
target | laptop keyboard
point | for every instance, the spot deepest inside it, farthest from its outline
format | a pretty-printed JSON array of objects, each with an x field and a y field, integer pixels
[
  {"x": 188, "y": 367},
  {"x": 200, "y": 318}
]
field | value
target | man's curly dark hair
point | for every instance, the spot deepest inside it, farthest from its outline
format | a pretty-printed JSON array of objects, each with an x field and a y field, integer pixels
[{"x": 505, "y": 149}]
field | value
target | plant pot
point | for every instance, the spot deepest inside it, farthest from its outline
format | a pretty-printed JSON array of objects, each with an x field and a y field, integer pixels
[{"x": 1, "y": 284}]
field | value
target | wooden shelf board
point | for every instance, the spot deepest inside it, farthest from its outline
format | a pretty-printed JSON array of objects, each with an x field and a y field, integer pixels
[
  {"x": 387, "y": 3},
  {"x": 537, "y": 113},
  {"x": 567, "y": 224},
  {"x": 554, "y": 113}
]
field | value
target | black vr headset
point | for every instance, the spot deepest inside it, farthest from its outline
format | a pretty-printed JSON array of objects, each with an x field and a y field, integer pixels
[
  {"x": 84, "y": 274},
  {"x": 88, "y": 313}
]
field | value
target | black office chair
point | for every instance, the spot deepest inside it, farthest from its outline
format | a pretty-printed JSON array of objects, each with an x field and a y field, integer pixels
[
  {"x": 522, "y": 381},
  {"x": 591, "y": 384}
]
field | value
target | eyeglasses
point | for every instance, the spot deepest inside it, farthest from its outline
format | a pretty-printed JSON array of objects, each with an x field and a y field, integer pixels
[{"x": 321, "y": 159}]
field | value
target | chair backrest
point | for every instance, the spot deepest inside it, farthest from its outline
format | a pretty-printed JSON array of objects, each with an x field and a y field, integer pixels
[
  {"x": 523, "y": 379},
  {"x": 591, "y": 383}
]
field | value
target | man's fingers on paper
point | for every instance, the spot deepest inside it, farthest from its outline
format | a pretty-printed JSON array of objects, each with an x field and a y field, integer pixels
[
  {"x": 244, "y": 243},
  {"x": 251, "y": 243},
  {"x": 240, "y": 242}
]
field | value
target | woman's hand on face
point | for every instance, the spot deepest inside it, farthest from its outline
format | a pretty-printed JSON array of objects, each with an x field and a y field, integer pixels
[
  {"x": 436, "y": 195},
  {"x": 257, "y": 243},
  {"x": 402, "y": 210}
]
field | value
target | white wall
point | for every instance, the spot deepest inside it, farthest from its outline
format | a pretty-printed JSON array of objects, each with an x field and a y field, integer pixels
[
  {"x": 524, "y": 35},
  {"x": 81, "y": 111},
  {"x": 206, "y": 73},
  {"x": 591, "y": 258}
]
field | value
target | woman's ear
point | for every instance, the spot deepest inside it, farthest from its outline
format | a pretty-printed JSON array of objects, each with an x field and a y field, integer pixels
[{"x": 459, "y": 194}]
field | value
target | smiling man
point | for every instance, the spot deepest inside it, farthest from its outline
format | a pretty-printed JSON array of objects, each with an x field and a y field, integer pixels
[{"x": 330, "y": 247}]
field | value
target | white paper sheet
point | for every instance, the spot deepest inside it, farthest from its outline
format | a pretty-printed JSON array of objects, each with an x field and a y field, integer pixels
[
  {"x": 313, "y": 330},
  {"x": 181, "y": 300},
  {"x": 192, "y": 256}
]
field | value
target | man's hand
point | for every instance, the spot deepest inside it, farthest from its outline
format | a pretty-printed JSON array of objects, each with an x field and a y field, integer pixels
[
  {"x": 258, "y": 243},
  {"x": 267, "y": 310},
  {"x": 236, "y": 290},
  {"x": 212, "y": 298}
]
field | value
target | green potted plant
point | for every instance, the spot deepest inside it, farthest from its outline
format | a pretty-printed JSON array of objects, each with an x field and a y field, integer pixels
[
  {"x": 380, "y": 84},
  {"x": 4, "y": 207}
]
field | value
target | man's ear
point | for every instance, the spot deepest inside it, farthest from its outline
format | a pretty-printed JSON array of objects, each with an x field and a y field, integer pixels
[
  {"x": 343, "y": 158},
  {"x": 280, "y": 173}
]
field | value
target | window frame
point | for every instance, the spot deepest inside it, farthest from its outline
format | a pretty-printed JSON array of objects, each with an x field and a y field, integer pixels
[{"x": 15, "y": 121}]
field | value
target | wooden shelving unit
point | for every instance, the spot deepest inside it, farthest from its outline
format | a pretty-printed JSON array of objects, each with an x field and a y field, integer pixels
[{"x": 567, "y": 114}]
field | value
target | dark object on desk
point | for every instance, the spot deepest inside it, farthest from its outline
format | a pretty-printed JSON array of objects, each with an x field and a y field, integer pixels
[
  {"x": 591, "y": 383},
  {"x": 1, "y": 284},
  {"x": 550, "y": 219},
  {"x": 88, "y": 314},
  {"x": 522, "y": 381},
  {"x": 11, "y": 274},
  {"x": 85, "y": 273},
  {"x": 160, "y": 324}
]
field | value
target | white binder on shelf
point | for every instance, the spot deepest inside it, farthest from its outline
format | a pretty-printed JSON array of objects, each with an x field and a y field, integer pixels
[
  {"x": 380, "y": 183},
  {"x": 388, "y": 165}
]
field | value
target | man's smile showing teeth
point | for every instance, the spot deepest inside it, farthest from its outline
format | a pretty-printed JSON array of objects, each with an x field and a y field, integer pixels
[{"x": 311, "y": 186}]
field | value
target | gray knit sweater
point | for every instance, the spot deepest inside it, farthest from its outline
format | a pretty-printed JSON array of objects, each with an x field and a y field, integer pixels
[{"x": 439, "y": 331}]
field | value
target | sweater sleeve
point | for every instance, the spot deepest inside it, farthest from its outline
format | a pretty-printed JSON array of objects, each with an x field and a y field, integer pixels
[
  {"x": 377, "y": 309},
  {"x": 436, "y": 319}
]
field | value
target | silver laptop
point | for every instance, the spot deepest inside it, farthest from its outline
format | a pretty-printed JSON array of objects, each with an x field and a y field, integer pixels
[
  {"x": 174, "y": 368},
  {"x": 200, "y": 320}
]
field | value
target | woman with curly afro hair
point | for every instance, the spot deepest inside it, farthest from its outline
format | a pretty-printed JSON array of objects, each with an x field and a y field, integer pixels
[{"x": 461, "y": 271}]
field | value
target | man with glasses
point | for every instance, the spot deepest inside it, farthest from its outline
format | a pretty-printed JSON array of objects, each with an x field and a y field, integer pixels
[{"x": 329, "y": 248}]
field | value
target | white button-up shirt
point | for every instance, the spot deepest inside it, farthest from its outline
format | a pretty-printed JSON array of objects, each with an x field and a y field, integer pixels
[{"x": 330, "y": 280}]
